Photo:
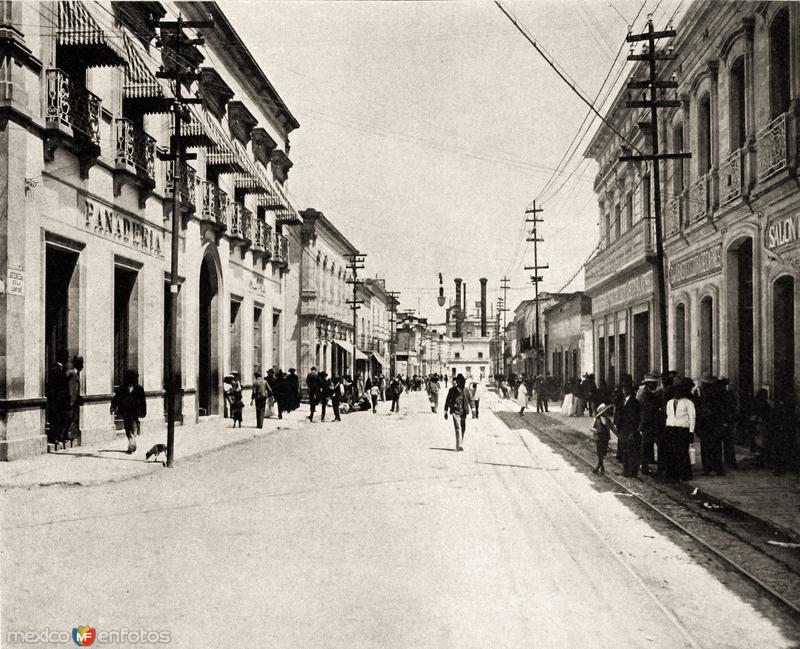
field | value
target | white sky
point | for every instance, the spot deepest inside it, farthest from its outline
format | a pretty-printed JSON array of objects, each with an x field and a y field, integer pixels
[{"x": 426, "y": 128}]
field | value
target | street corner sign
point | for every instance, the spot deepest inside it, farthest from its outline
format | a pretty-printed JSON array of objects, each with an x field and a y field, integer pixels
[
  {"x": 15, "y": 282},
  {"x": 704, "y": 262},
  {"x": 783, "y": 231}
]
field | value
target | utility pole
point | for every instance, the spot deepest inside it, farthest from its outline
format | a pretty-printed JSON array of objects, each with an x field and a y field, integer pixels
[
  {"x": 530, "y": 217},
  {"x": 654, "y": 84},
  {"x": 498, "y": 345},
  {"x": 180, "y": 71},
  {"x": 355, "y": 264},
  {"x": 505, "y": 285},
  {"x": 392, "y": 331}
]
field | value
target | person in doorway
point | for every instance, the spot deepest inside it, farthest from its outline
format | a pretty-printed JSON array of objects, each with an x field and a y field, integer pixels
[
  {"x": 130, "y": 405},
  {"x": 260, "y": 394},
  {"x": 522, "y": 398},
  {"x": 312, "y": 384},
  {"x": 476, "y": 392},
  {"x": 73, "y": 374},
  {"x": 374, "y": 394},
  {"x": 433, "y": 393},
  {"x": 601, "y": 433},
  {"x": 629, "y": 436},
  {"x": 235, "y": 403},
  {"x": 458, "y": 404},
  {"x": 58, "y": 417}
]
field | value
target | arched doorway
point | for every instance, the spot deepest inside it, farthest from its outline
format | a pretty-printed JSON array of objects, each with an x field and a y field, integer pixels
[
  {"x": 783, "y": 336},
  {"x": 740, "y": 310},
  {"x": 208, "y": 378}
]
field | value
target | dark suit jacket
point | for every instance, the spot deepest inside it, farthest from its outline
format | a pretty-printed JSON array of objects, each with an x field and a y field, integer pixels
[{"x": 630, "y": 415}]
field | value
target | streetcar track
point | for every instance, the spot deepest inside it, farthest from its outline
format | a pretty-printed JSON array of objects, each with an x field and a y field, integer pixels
[{"x": 681, "y": 517}]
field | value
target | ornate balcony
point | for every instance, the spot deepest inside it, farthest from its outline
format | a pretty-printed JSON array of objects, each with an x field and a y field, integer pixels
[
  {"x": 697, "y": 198},
  {"x": 731, "y": 177},
  {"x": 235, "y": 221},
  {"x": 73, "y": 117},
  {"x": 214, "y": 204},
  {"x": 257, "y": 246},
  {"x": 268, "y": 245},
  {"x": 247, "y": 225},
  {"x": 674, "y": 215},
  {"x": 771, "y": 144},
  {"x": 136, "y": 150},
  {"x": 186, "y": 186},
  {"x": 280, "y": 249}
]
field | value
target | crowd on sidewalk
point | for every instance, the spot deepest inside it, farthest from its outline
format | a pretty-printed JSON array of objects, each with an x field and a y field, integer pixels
[{"x": 664, "y": 421}]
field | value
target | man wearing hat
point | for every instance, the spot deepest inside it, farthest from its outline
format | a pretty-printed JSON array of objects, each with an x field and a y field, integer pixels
[
  {"x": 601, "y": 432},
  {"x": 652, "y": 419},
  {"x": 629, "y": 437},
  {"x": 730, "y": 411},
  {"x": 710, "y": 424},
  {"x": 459, "y": 404}
]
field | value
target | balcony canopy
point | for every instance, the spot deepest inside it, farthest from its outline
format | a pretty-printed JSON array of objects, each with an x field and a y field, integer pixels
[
  {"x": 82, "y": 33},
  {"x": 348, "y": 347}
]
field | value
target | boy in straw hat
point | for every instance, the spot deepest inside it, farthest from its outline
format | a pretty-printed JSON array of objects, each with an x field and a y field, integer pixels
[{"x": 601, "y": 432}]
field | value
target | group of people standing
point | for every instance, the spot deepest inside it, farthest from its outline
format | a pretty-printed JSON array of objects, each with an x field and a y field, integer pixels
[
  {"x": 274, "y": 393},
  {"x": 346, "y": 394},
  {"x": 64, "y": 402}
]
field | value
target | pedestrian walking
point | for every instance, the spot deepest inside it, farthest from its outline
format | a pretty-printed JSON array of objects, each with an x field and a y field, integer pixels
[
  {"x": 324, "y": 392},
  {"x": 292, "y": 390},
  {"x": 679, "y": 432},
  {"x": 476, "y": 392},
  {"x": 382, "y": 386},
  {"x": 395, "y": 390},
  {"x": 522, "y": 398},
  {"x": 312, "y": 384},
  {"x": 458, "y": 404},
  {"x": 259, "y": 395},
  {"x": 130, "y": 405},
  {"x": 629, "y": 436},
  {"x": 433, "y": 393},
  {"x": 234, "y": 397},
  {"x": 601, "y": 433},
  {"x": 374, "y": 393},
  {"x": 337, "y": 394},
  {"x": 272, "y": 398},
  {"x": 541, "y": 387}
]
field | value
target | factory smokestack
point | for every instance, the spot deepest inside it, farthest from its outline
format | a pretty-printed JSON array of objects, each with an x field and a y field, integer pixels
[
  {"x": 483, "y": 281},
  {"x": 457, "y": 314}
]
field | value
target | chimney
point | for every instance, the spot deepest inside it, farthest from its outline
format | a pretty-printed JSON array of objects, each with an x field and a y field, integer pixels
[
  {"x": 483, "y": 281},
  {"x": 464, "y": 307},
  {"x": 457, "y": 314}
]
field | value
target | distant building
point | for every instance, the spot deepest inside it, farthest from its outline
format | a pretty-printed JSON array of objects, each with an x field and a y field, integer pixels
[
  {"x": 530, "y": 355},
  {"x": 565, "y": 323}
]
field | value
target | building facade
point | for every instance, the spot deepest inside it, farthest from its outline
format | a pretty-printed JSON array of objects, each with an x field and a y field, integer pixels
[
  {"x": 375, "y": 332},
  {"x": 527, "y": 356},
  {"x": 730, "y": 213},
  {"x": 88, "y": 213},
  {"x": 321, "y": 326},
  {"x": 565, "y": 323}
]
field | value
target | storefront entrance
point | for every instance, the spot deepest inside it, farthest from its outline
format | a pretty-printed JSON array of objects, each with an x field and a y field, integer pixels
[
  {"x": 740, "y": 287},
  {"x": 208, "y": 378},
  {"x": 783, "y": 337}
]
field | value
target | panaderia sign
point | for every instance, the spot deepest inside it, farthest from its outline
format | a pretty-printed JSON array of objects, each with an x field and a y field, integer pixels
[
  {"x": 128, "y": 230},
  {"x": 782, "y": 231}
]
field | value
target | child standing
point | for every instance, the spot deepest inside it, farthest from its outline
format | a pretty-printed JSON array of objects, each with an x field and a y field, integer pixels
[{"x": 601, "y": 432}]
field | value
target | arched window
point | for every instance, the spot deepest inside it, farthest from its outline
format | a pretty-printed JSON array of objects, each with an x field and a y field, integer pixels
[
  {"x": 779, "y": 64},
  {"x": 737, "y": 102},
  {"x": 706, "y": 334},
  {"x": 680, "y": 339},
  {"x": 783, "y": 335},
  {"x": 703, "y": 135}
]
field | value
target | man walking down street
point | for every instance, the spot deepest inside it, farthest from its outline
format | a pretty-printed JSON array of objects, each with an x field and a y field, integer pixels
[
  {"x": 458, "y": 404},
  {"x": 260, "y": 393},
  {"x": 475, "y": 393},
  {"x": 395, "y": 390},
  {"x": 312, "y": 383},
  {"x": 130, "y": 404}
]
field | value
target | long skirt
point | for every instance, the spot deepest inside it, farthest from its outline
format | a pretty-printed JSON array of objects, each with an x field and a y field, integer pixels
[
  {"x": 676, "y": 453},
  {"x": 566, "y": 405}
]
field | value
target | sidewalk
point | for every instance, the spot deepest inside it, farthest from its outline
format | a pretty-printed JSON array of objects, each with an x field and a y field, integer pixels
[
  {"x": 108, "y": 461},
  {"x": 774, "y": 500}
]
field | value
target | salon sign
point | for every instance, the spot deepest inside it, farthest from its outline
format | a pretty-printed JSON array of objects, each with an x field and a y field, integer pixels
[{"x": 783, "y": 231}]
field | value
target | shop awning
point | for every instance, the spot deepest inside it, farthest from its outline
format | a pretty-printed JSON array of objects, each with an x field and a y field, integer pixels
[
  {"x": 348, "y": 347},
  {"x": 380, "y": 359},
  {"x": 139, "y": 80},
  {"x": 79, "y": 29}
]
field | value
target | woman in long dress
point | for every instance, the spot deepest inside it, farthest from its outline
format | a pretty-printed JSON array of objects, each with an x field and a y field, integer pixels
[{"x": 522, "y": 397}]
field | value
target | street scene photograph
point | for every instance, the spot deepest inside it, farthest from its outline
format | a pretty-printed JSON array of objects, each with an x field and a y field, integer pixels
[{"x": 466, "y": 324}]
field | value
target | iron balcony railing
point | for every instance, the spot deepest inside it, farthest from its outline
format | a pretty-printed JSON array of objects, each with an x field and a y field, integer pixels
[
  {"x": 211, "y": 201},
  {"x": 674, "y": 215},
  {"x": 235, "y": 220},
  {"x": 246, "y": 224},
  {"x": 731, "y": 175},
  {"x": 70, "y": 105},
  {"x": 280, "y": 251},
  {"x": 258, "y": 236},
  {"x": 697, "y": 197},
  {"x": 772, "y": 147},
  {"x": 186, "y": 184},
  {"x": 135, "y": 148}
]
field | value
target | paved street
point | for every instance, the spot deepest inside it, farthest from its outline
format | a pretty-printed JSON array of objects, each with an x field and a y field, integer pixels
[{"x": 372, "y": 533}]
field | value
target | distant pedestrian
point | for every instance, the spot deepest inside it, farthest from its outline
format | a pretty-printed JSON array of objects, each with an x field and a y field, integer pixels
[
  {"x": 629, "y": 436},
  {"x": 433, "y": 393},
  {"x": 337, "y": 394},
  {"x": 312, "y": 384},
  {"x": 652, "y": 419},
  {"x": 522, "y": 398},
  {"x": 601, "y": 433},
  {"x": 273, "y": 397},
  {"x": 458, "y": 404},
  {"x": 259, "y": 395},
  {"x": 73, "y": 374},
  {"x": 476, "y": 392},
  {"x": 235, "y": 403},
  {"x": 395, "y": 390},
  {"x": 541, "y": 387},
  {"x": 382, "y": 386},
  {"x": 374, "y": 393},
  {"x": 731, "y": 414},
  {"x": 130, "y": 405}
]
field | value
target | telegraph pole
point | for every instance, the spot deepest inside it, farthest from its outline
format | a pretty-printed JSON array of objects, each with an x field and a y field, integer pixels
[
  {"x": 530, "y": 217},
  {"x": 355, "y": 264},
  {"x": 654, "y": 84},
  {"x": 500, "y": 352},
  {"x": 392, "y": 326},
  {"x": 505, "y": 285},
  {"x": 179, "y": 71}
]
